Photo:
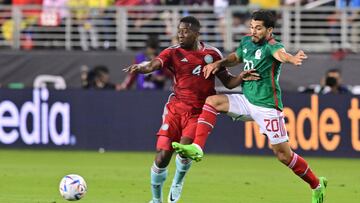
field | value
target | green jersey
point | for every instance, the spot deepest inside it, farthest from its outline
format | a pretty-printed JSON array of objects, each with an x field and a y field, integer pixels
[{"x": 266, "y": 91}]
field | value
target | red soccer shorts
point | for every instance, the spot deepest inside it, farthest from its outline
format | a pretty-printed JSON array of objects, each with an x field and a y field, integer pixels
[{"x": 179, "y": 120}]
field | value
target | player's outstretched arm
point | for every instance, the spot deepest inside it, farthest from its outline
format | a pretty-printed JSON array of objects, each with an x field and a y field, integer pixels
[
  {"x": 230, "y": 81},
  {"x": 284, "y": 57},
  {"x": 144, "y": 67},
  {"x": 229, "y": 61}
]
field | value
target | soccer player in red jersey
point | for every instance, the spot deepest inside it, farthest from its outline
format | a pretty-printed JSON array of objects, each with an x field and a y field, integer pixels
[{"x": 183, "y": 108}]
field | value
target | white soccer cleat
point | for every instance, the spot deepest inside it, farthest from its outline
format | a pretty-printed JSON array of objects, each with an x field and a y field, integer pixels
[{"x": 175, "y": 193}]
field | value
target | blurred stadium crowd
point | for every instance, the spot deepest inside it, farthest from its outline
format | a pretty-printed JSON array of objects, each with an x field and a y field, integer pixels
[
  {"x": 150, "y": 26},
  {"x": 102, "y": 24}
]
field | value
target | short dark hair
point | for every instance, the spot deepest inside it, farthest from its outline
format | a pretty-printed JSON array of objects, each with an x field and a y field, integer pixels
[
  {"x": 334, "y": 70},
  {"x": 266, "y": 16},
  {"x": 194, "y": 23},
  {"x": 100, "y": 69}
]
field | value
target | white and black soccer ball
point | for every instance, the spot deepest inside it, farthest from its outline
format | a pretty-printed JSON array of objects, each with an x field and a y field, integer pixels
[{"x": 72, "y": 187}]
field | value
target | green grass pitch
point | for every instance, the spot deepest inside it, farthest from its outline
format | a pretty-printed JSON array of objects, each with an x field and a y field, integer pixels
[{"x": 32, "y": 176}]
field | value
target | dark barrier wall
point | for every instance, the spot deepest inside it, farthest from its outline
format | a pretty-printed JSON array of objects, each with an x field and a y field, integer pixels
[
  {"x": 77, "y": 119},
  {"x": 24, "y": 67}
]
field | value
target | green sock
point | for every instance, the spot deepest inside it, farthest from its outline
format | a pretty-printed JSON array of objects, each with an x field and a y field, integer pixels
[
  {"x": 158, "y": 177},
  {"x": 182, "y": 166}
]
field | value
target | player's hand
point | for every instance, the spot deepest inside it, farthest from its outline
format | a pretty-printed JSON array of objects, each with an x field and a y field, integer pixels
[
  {"x": 211, "y": 68},
  {"x": 135, "y": 68},
  {"x": 250, "y": 75},
  {"x": 299, "y": 57}
]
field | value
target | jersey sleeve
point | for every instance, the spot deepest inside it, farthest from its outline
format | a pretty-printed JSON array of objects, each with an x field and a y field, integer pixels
[
  {"x": 239, "y": 51},
  {"x": 164, "y": 57},
  {"x": 275, "y": 46}
]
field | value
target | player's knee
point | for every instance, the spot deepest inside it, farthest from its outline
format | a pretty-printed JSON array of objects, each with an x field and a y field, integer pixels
[
  {"x": 160, "y": 162},
  {"x": 162, "y": 159},
  {"x": 214, "y": 101},
  {"x": 283, "y": 157}
]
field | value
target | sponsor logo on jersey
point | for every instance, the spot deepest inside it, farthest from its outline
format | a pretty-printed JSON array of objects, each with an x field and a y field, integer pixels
[
  {"x": 258, "y": 54},
  {"x": 245, "y": 51},
  {"x": 184, "y": 60},
  {"x": 208, "y": 59}
]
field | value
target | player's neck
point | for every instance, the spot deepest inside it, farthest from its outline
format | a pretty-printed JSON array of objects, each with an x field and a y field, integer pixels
[
  {"x": 265, "y": 39},
  {"x": 197, "y": 46},
  {"x": 269, "y": 37}
]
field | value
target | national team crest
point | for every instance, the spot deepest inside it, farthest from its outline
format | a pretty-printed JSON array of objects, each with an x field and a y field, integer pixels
[
  {"x": 165, "y": 126},
  {"x": 208, "y": 59},
  {"x": 258, "y": 54}
]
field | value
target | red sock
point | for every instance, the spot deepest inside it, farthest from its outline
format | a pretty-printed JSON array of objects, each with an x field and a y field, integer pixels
[
  {"x": 299, "y": 166},
  {"x": 206, "y": 123}
]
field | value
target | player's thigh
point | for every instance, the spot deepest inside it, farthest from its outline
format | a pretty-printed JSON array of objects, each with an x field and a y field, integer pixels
[
  {"x": 163, "y": 143},
  {"x": 189, "y": 124},
  {"x": 238, "y": 107},
  {"x": 170, "y": 129},
  {"x": 272, "y": 123}
]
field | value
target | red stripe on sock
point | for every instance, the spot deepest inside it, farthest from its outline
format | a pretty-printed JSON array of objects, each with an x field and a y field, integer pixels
[{"x": 300, "y": 167}]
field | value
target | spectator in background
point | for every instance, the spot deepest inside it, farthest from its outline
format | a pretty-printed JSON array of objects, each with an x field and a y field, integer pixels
[
  {"x": 30, "y": 18},
  {"x": 97, "y": 78},
  {"x": 86, "y": 31},
  {"x": 219, "y": 9},
  {"x": 241, "y": 22},
  {"x": 238, "y": 2},
  {"x": 348, "y": 3},
  {"x": 99, "y": 21},
  {"x": 5, "y": 2},
  {"x": 152, "y": 81},
  {"x": 88, "y": 13},
  {"x": 332, "y": 83},
  {"x": 266, "y": 4},
  {"x": 54, "y": 11}
]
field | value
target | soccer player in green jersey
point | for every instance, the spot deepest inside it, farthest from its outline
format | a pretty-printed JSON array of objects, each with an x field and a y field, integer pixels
[{"x": 260, "y": 101}]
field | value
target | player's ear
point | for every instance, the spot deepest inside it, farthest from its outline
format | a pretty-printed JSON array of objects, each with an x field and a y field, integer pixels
[{"x": 197, "y": 34}]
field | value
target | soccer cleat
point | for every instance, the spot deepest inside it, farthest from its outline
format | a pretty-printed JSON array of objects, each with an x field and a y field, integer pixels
[
  {"x": 318, "y": 194},
  {"x": 192, "y": 151},
  {"x": 175, "y": 193},
  {"x": 155, "y": 201}
]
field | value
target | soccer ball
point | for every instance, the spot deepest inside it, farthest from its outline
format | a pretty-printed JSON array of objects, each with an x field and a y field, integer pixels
[{"x": 72, "y": 187}]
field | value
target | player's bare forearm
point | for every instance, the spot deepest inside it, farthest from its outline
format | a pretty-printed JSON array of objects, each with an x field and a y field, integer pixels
[
  {"x": 230, "y": 81},
  {"x": 213, "y": 68},
  {"x": 230, "y": 61},
  {"x": 284, "y": 57},
  {"x": 144, "y": 67}
]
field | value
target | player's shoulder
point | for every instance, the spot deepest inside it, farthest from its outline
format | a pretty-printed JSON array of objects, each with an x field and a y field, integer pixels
[
  {"x": 209, "y": 48},
  {"x": 170, "y": 50},
  {"x": 273, "y": 40},
  {"x": 176, "y": 46}
]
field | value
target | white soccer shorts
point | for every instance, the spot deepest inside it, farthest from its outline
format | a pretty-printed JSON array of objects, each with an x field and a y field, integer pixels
[{"x": 270, "y": 120}]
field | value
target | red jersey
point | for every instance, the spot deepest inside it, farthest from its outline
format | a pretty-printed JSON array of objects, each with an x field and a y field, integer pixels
[{"x": 190, "y": 85}]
